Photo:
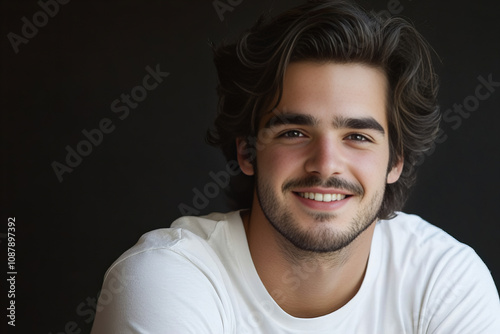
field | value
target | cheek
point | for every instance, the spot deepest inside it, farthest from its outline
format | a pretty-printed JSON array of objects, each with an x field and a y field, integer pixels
[
  {"x": 369, "y": 167},
  {"x": 277, "y": 163}
]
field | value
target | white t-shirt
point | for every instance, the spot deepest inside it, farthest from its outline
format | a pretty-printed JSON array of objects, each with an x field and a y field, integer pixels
[{"x": 198, "y": 277}]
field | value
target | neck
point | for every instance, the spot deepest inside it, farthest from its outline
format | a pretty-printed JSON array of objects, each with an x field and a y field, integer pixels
[{"x": 305, "y": 284}]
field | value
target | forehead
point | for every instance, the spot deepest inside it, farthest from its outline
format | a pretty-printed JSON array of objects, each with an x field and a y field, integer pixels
[{"x": 328, "y": 90}]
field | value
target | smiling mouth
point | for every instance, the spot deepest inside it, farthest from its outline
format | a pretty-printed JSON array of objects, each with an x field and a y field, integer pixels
[{"x": 322, "y": 197}]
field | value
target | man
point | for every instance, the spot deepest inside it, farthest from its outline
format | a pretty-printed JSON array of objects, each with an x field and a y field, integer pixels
[{"x": 327, "y": 111}]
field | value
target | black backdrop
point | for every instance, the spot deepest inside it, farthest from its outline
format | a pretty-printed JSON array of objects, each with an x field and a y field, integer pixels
[{"x": 75, "y": 62}]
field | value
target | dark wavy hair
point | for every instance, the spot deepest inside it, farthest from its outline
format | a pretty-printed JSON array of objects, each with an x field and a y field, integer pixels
[{"x": 251, "y": 73}]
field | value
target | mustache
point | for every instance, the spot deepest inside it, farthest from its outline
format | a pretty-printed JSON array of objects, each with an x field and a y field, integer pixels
[{"x": 332, "y": 182}]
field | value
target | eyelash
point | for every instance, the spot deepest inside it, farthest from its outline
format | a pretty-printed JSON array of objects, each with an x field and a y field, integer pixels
[
  {"x": 359, "y": 137},
  {"x": 287, "y": 134},
  {"x": 298, "y": 134}
]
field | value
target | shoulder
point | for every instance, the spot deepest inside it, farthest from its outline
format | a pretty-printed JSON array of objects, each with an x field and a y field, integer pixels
[
  {"x": 451, "y": 285},
  {"x": 408, "y": 241},
  {"x": 187, "y": 237},
  {"x": 172, "y": 275},
  {"x": 412, "y": 225},
  {"x": 411, "y": 231}
]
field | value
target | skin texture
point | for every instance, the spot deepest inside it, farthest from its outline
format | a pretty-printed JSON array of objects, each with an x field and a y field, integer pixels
[{"x": 329, "y": 134}]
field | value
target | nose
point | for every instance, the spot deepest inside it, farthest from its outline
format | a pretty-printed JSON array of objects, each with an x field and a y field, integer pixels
[{"x": 326, "y": 157}]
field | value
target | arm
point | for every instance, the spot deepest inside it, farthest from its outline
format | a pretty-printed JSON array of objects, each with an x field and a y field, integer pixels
[{"x": 158, "y": 291}]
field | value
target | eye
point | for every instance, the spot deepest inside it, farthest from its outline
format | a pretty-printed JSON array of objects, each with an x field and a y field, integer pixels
[
  {"x": 358, "y": 137},
  {"x": 292, "y": 134}
]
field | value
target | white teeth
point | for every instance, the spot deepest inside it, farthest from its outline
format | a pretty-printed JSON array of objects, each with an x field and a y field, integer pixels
[{"x": 323, "y": 197}]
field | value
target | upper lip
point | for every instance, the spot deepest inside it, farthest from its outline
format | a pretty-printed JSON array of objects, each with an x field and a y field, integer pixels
[{"x": 322, "y": 191}]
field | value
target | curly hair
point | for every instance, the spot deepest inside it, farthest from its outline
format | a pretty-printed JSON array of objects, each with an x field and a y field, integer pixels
[{"x": 251, "y": 73}]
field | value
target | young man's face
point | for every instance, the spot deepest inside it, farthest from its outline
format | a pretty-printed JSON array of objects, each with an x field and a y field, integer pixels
[{"x": 321, "y": 166}]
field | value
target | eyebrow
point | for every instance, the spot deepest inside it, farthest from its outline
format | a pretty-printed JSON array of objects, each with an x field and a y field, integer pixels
[
  {"x": 290, "y": 118},
  {"x": 359, "y": 124},
  {"x": 339, "y": 122}
]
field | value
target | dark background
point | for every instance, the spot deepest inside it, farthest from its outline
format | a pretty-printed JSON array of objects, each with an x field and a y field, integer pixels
[{"x": 64, "y": 79}]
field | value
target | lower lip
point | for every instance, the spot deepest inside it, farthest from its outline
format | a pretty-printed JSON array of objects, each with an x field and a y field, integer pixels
[{"x": 322, "y": 206}]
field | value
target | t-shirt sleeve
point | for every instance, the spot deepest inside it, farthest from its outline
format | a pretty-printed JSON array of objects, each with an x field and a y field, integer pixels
[
  {"x": 158, "y": 291},
  {"x": 464, "y": 299}
]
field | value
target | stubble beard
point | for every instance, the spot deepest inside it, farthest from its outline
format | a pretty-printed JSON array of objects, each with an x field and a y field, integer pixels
[{"x": 325, "y": 239}]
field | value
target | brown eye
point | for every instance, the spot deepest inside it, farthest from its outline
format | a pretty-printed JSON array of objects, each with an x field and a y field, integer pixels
[
  {"x": 357, "y": 137},
  {"x": 292, "y": 134}
]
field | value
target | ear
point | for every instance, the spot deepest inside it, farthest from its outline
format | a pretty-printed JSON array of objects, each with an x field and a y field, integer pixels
[
  {"x": 395, "y": 172},
  {"x": 243, "y": 154}
]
